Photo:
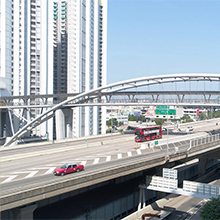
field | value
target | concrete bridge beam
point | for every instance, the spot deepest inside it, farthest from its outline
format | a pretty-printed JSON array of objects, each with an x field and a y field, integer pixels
[
  {"x": 202, "y": 166},
  {"x": 24, "y": 213}
]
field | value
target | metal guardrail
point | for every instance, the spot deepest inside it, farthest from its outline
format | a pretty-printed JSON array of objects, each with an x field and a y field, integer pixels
[
  {"x": 204, "y": 140},
  {"x": 201, "y": 188},
  {"x": 158, "y": 181}
]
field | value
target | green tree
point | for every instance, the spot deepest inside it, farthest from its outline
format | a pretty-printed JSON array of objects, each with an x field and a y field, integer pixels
[
  {"x": 211, "y": 210},
  {"x": 210, "y": 114},
  {"x": 121, "y": 123},
  {"x": 186, "y": 118},
  {"x": 159, "y": 121},
  {"x": 112, "y": 121},
  {"x": 136, "y": 118},
  {"x": 217, "y": 114},
  {"x": 202, "y": 116}
]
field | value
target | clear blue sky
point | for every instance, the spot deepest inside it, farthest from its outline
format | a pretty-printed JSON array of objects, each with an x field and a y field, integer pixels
[{"x": 154, "y": 37}]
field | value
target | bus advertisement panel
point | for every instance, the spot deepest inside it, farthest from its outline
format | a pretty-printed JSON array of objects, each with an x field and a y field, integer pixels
[{"x": 148, "y": 133}]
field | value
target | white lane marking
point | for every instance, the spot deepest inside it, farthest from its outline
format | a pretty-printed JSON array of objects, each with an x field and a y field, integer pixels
[
  {"x": 42, "y": 168},
  {"x": 129, "y": 154},
  {"x": 138, "y": 151},
  {"x": 10, "y": 178},
  {"x": 83, "y": 163},
  {"x": 31, "y": 173},
  {"x": 50, "y": 170},
  {"x": 108, "y": 158},
  {"x": 119, "y": 156},
  {"x": 96, "y": 160}
]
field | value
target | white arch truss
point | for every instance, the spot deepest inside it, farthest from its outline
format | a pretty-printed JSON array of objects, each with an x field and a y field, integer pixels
[{"x": 111, "y": 88}]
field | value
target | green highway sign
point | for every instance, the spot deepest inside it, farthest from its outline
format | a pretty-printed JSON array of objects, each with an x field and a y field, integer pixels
[
  {"x": 164, "y": 111},
  {"x": 162, "y": 106}
]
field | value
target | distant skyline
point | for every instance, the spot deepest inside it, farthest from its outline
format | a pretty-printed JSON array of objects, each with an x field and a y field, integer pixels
[{"x": 155, "y": 37}]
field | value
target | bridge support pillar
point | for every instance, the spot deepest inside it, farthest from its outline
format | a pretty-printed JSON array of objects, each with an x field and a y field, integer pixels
[
  {"x": 24, "y": 213},
  {"x": 202, "y": 166},
  {"x": 60, "y": 124},
  {"x": 64, "y": 119}
]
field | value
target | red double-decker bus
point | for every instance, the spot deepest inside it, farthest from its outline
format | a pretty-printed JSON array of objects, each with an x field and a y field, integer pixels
[{"x": 148, "y": 133}]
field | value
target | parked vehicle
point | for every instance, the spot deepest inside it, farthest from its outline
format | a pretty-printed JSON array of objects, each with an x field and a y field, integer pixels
[{"x": 68, "y": 168}]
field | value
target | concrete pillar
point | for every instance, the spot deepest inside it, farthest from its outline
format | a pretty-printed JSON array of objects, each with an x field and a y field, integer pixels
[
  {"x": 24, "y": 213},
  {"x": 69, "y": 120},
  {"x": 202, "y": 166},
  {"x": 60, "y": 124}
]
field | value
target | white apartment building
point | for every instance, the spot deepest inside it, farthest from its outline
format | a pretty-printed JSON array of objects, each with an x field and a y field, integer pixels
[
  {"x": 55, "y": 46},
  {"x": 80, "y": 56},
  {"x": 27, "y": 52}
]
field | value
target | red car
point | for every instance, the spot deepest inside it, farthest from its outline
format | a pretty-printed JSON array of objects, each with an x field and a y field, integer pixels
[{"x": 68, "y": 168}]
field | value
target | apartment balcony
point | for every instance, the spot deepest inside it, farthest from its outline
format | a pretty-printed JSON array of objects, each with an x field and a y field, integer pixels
[
  {"x": 33, "y": 68},
  {"x": 33, "y": 52},
  {"x": 33, "y": 46},
  {"x": 63, "y": 31},
  {"x": 33, "y": 80},
  {"x": 33, "y": 30},
  {"x": 33, "y": 12},
  {"x": 33, "y": 17}
]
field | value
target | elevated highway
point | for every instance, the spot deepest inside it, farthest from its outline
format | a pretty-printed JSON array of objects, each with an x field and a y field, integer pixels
[
  {"x": 25, "y": 191},
  {"x": 122, "y": 93}
]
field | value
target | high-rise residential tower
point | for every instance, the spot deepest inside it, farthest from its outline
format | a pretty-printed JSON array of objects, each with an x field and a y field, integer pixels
[
  {"x": 55, "y": 46},
  {"x": 27, "y": 52},
  {"x": 80, "y": 56}
]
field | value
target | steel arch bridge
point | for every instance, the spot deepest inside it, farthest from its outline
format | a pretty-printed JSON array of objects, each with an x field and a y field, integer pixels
[{"x": 94, "y": 95}]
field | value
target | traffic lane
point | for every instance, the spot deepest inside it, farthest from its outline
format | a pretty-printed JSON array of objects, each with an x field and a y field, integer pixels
[
  {"x": 39, "y": 146},
  {"x": 118, "y": 143},
  {"x": 80, "y": 153},
  {"x": 98, "y": 147},
  {"x": 72, "y": 155},
  {"x": 202, "y": 125},
  {"x": 37, "y": 181}
]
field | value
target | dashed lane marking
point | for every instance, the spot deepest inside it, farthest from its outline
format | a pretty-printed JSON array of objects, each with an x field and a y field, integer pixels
[
  {"x": 108, "y": 158},
  {"x": 31, "y": 173},
  {"x": 9, "y": 178},
  {"x": 119, "y": 156},
  {"x": 83, "y": 163},
  {"x": 138, "y": 151},
  {"x": 129, "y": 153},
  {"x": 96, "y": 161},
  {"x": 50, "y": 170}
]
